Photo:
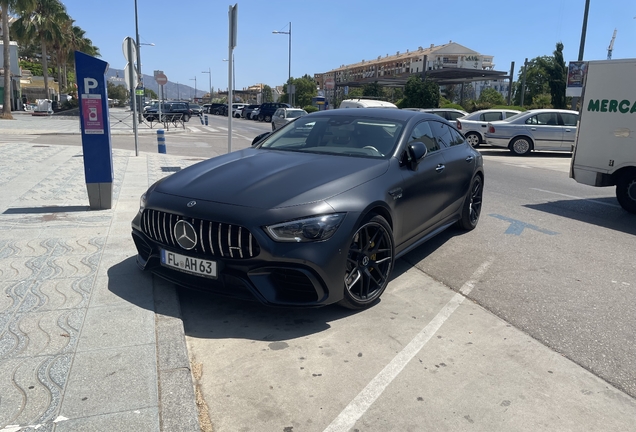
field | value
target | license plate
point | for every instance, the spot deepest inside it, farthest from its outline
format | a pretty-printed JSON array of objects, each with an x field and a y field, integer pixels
[{"x": 188, "y": 264}]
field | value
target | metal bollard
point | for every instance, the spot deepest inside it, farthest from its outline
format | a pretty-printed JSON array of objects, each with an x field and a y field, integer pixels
[
  {"x": 206, "y": 119},
  {"x": 201, "y": 118},
  {"x": 161, "y": 141}
]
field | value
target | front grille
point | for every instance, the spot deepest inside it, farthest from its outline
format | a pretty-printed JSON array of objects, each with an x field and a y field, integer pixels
[{"x": 213, "y": 238}]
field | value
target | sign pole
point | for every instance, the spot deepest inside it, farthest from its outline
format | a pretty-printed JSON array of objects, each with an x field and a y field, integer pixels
[
  {"x": 232, "y": 16},
  {"x": 133, "y": 95}
]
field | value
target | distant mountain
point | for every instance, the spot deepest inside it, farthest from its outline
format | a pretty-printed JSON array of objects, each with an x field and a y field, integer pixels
[{"x": 170, "y": 90}]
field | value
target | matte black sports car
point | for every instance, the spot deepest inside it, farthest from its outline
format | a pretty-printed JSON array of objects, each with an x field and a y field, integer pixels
[{"x": 315, "y": 213}]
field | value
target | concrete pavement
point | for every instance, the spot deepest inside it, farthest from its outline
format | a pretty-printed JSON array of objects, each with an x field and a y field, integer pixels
[
  {"x": 87, "y": 341},
  {"x": 90, "y": 343}
]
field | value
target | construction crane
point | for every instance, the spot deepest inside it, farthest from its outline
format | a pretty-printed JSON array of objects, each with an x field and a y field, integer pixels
[{"x": 611, "y": 46}]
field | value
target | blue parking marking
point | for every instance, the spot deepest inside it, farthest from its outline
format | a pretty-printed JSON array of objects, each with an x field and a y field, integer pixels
[{"x": 516, "y": 226}]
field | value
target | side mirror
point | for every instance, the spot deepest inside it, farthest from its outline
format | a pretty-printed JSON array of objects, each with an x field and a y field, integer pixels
[
  {"x": 260, "y": 137},
  {"x": 415, "y": 152}
]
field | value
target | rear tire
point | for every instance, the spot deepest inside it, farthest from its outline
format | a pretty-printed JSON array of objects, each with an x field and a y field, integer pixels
[
  {"x": 471, "y": 210},
  {"x": 186, "y": 118},
  {"x": 473, "y": 139},
  {"x": 268, "y": 118},
  {"x": 626, "y": 191},
  {"x": 521, "y": 146}
]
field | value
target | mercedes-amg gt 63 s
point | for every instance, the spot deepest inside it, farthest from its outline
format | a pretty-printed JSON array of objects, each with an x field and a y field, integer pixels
[{"x": 315, "y": 212}]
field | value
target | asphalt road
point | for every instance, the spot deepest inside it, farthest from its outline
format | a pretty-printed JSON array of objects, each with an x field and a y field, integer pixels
[{"x": 560, "y": 268}]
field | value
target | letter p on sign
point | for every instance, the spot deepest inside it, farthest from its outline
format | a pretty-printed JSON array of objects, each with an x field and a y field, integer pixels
[{"x": 89, "y": 83}]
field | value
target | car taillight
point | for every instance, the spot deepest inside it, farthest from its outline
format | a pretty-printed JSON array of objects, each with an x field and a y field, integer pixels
[
  {"x": 459, "y": 125},
  {"x": 491, "y": 129}
]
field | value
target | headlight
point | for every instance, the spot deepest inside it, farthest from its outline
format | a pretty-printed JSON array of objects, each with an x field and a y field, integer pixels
[
  {"x": 305, "y": 230},
  {"x": 142, "y": 203}
]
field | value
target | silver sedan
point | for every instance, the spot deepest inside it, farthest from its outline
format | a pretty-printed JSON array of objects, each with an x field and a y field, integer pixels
[
  {"x": 540, "y": 129},
  {"x": 282, "y": 116}
]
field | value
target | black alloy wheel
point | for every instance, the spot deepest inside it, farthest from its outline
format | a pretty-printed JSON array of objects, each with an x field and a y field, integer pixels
[
  {"x": 186, "y": 118},
  {"x": 471, "y": 209},
  {"x": 268, "y": 118},
  {"x": 369, "y": 263}
]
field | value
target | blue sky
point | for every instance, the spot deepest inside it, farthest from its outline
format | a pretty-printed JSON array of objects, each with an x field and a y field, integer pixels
[{"x": 192, "y": 36}]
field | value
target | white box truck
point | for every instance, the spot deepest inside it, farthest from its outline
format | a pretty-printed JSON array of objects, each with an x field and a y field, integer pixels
[{"x": 605, "y": 147}]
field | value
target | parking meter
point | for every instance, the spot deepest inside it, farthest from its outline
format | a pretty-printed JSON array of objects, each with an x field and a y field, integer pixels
[{"x": 98, "y": 153}]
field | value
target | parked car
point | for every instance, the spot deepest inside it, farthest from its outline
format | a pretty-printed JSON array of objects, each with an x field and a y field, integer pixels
[
  {"x": 247, "y": 111},
  {"x": 473, "y": 126},
  {"x": 282, "y": 116},
  {"x": 540, "y": 129},
  {"x": 235, "y": 107},
  {"x": 317, "y": 212},
  {"x": 254, "y": 114},
  {"x": 268, "y": 109},
  {"x": 213, "y": 108},
  {"x": 169, "y": 111},
  {"x": 449, "y": 114},
  {"x": 365, "y": 103},
  {"x": 195, "y": 110}
]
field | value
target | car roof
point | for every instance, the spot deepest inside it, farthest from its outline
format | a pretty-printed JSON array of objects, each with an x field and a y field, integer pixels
[{"x": 379, "y": 113}]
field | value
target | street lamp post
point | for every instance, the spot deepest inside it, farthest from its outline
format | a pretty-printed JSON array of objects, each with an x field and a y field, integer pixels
[
  {"x": 289, "y": 68},
  {"x": 209, "y": 72},
  {"x": 178, "y": 95},
  {"x": 195, "y": 87},
  {"x": 139, "y": 76}
]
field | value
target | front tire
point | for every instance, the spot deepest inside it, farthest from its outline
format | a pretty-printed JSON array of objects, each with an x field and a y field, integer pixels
[
  {"x": 626, "y": 191},
  {"x": 471, "y": 210},
  {"x": 369, "y": 263},
  {"x": 186, "y": 118},
  {"x": 521, "y": 146},
  {"x": 473, "y": 139}
]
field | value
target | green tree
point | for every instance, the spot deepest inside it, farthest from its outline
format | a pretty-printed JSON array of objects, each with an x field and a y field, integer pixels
[
  {"x": 150, "y": 93},
  {"x": 372, "y": 89},
  {"x": 491, "y": 97},
  {"x": 420, "y": 93},
  {"x": 558, "y": 78},
  {"x": 6, "y": 7},
  {"x": 41, "y": 20},
  {"x": 267, "y": 95},
  {"x": 305, "y": 90},
  {"x": 118, "y": 92},
  {"x": 537, "y": 78}
]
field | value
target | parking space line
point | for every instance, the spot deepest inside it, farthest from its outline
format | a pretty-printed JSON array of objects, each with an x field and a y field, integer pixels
[
  {"x": 363, "y": 401},
  {"x": 578, "y": 198}
]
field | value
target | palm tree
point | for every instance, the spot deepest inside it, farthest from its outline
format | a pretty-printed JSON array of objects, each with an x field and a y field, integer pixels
[
  {"x": 5, "y": 7},
  {"x": 41, "y": 21}
]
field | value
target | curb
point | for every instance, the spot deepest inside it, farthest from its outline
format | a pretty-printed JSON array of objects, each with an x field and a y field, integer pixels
[{"x": 177, "y": 401}]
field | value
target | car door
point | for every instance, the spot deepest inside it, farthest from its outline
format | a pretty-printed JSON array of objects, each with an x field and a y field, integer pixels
[
  {"x": 545, "y": 130},
  {"x": 569, "y": 121},
  {"x": 460, "y": 165},
  {"x": 422, "y": 195}
]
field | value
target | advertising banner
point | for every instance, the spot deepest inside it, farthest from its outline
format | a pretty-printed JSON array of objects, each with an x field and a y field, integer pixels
[{"x": 576, "y": 77}]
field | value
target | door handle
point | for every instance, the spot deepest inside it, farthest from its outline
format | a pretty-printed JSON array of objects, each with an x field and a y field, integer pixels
[
  {"x": 470, "y": 158},
  {"x": 568, "y": 130},
  {"x": 440, "y": 168},
  {"x": 483, "y": 126},
  {"x": 533, "y": 128},
  {"x": 396, "y": 193}
]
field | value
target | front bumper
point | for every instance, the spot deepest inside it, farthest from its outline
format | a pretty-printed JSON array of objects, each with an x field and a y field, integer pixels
[{"x": 276, "y": 273}]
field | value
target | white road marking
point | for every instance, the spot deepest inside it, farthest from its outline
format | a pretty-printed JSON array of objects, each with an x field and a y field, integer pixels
[
  {"x": 576, "y": 197},
  {"x": 363, "y": 401}
]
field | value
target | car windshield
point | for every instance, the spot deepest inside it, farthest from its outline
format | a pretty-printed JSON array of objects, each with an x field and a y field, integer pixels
[
  {"x": 195, "y": 106},
  {"x": 295, "y": 113},
  {"x": 342, "y": 135}
]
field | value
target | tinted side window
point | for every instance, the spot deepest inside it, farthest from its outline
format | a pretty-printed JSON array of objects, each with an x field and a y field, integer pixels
[
  {"x": 423, "y": 133},
  {"x": 548, "y": 119},
  {"x": 441, "y": 133},
  {"x": 457, "y": 138},
  {"x": 569, "y": 119},
  {"x": 510, "y": 114},
  {"x": 490, "y": 116},
  {"x": 532, "y": 120}
]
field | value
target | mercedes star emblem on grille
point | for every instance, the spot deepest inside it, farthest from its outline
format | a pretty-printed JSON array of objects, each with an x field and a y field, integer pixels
[
  {"x": 192, "y": 203},
  {"x": 185, "y": 234}
]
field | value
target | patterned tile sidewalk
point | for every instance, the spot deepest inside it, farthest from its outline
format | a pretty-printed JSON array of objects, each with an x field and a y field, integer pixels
[{"x": 87, "y": 341}]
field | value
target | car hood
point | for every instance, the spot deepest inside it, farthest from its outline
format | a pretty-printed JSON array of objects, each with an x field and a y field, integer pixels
[{"x": 269, "y": 179}]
